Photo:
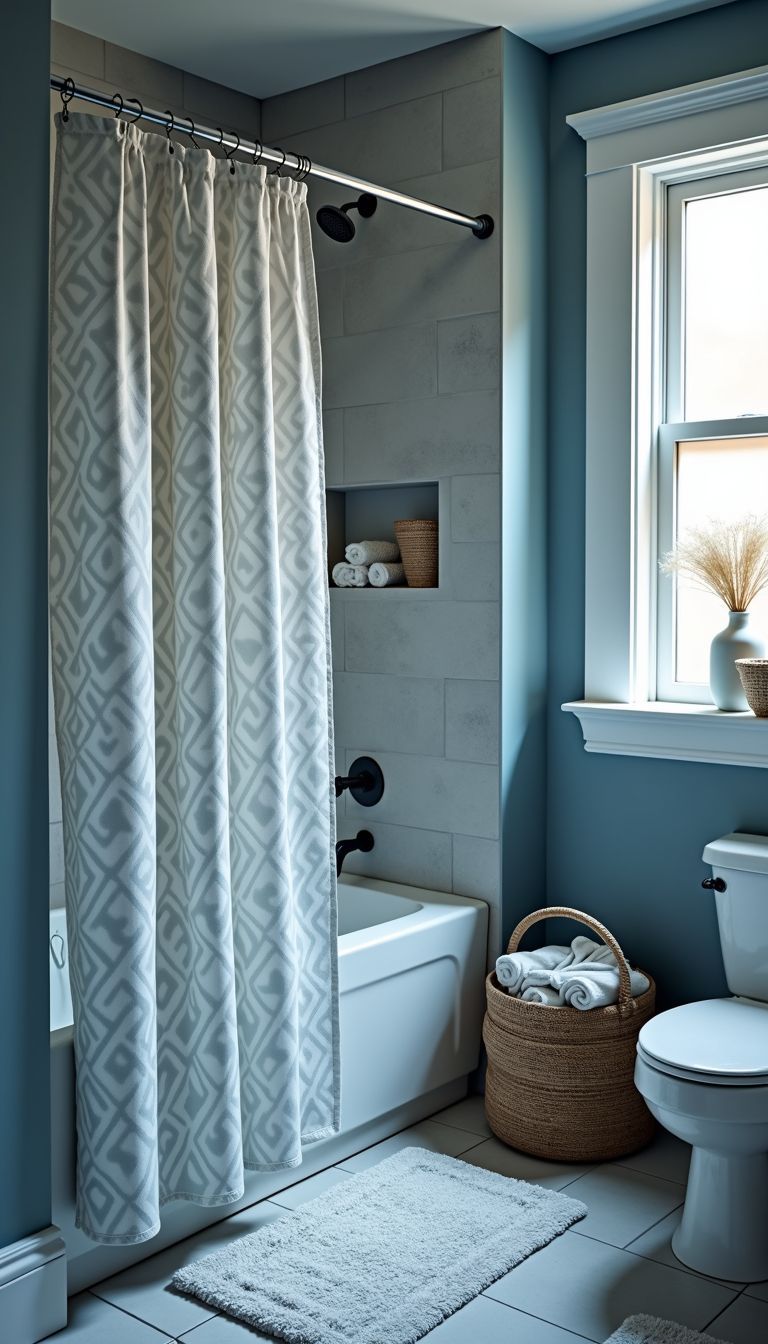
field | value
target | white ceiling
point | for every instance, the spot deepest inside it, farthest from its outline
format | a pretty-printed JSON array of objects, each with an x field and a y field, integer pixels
[{"x": 267, "y": 46}]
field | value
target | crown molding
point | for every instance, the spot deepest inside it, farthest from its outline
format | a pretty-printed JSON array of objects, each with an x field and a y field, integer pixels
[{"x": 745, "y": 87}]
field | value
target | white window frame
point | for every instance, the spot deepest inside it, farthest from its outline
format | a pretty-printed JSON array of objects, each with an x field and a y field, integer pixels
[
  {"x": 635, "y": 152},
  {"x": 676, "y": 428}
]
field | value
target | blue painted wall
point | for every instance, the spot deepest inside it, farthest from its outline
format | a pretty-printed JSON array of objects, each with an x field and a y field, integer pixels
[
  {"x": 24, "y": 1021},
  {"x": 525, "y": 125},
  {"x": 625, "y": 835}
]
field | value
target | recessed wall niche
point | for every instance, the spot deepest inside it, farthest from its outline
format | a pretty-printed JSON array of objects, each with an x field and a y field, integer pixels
[{"x": 368, "y": 513}]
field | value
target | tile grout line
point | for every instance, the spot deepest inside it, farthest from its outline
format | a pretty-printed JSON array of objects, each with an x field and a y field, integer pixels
[
  {"x": 727, "y": 1307},
  {"x": 679, "y": 1268},
  {"x": 105, "y": 1302},
  {"x": 520, "y": 1310}
]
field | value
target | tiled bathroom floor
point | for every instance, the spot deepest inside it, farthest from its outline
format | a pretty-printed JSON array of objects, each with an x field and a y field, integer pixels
[{"x": 615, "y": 1262}]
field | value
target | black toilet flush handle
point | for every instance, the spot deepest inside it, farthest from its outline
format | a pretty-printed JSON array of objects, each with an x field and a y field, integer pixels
[{"x": 714, "y": 884}]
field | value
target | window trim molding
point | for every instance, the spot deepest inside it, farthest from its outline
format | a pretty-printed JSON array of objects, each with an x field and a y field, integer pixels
[
  {"x": 672, "y": 732},
  {"x": 634, "y": 151}
]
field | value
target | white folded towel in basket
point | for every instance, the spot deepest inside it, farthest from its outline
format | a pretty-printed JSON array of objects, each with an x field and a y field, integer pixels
[
  {"x": 594, "y": 985},
  {"x": 513, "y": 967},
  {"x": 349, "y": 576},
  {"x": 381, "y": 575},
  {"x": 368, "y": 552},
  {"x": 541, "y": 994},
  {"x": 584, "y": 975}
]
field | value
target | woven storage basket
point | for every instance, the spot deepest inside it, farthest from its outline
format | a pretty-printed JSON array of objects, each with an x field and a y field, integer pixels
[
  {"x": 417, "y": 539},
  {"x": 560, "y": 1081},
  {"x": 754, "y": 679}
]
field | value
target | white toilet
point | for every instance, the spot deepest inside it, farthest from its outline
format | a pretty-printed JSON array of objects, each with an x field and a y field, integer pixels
[{"x": 703, "y": 1070}]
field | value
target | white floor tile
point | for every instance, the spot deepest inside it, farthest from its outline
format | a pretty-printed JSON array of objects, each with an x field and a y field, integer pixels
[
  {"x": 223, "y": 1330},
  {"x": 656, "y": 1245},
  {"x": 623, "y": 1203},
  {"x": 94, "y": 1322},
  {"x": 664, "y": 1156},
  {"x": 746, "y": 1322},
  {"x": 468, "y": 1114},
  {"x": 485, "y": 1321},
  {"x": 314, "y": 1185},
  {"x": 144, "y": 1289},
  {"x": 589, "y": 1288},
  {"x": 496, "y": 1156},
  {"x": 428, "y": 1134}
]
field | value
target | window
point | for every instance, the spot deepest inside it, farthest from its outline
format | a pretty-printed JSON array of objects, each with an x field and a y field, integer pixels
[
  {"x": 713, "y": 446},
  {"x": 677, "y": 401}
]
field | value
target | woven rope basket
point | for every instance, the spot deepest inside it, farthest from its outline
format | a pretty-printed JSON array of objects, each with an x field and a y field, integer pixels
[
  {"x": 754, "y": 679},
  {"x": 560, "y": 1081},
  {"x": 417, "y": 539}
]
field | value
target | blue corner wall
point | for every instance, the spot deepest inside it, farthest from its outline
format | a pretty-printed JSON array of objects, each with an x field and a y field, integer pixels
[
  {"x": 625, "y": 835},
  {"x": 525, "y": 123},
  {"x": 24, "y": 1020}
]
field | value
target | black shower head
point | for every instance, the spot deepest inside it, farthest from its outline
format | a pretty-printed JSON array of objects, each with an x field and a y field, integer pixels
[{"x": 334, "y": 219}]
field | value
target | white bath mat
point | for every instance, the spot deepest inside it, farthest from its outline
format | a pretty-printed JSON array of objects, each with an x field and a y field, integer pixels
[
  {"x": 652, "y": 1330},
  {"x": 385, "y": 1256}
]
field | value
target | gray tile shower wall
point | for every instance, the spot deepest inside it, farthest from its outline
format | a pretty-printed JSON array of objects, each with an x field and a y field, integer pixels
[
  {"x": 104, "y": 66},
  {"x": 410, "y": 318}
]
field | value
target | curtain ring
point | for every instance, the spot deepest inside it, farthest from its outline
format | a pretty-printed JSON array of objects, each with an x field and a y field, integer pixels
[
  {"x": 140, "y": 112},
  {"x": 67, "y": 93},
  {"x": 276, "y": 171},
  {"x": 307, "y": 167},
  {"x": 258, "y": 150},
  {"x": 169, "y": 129},
  {"x": 191, "y": 132},
  {"x": 115, "y": 97},
  {"x": 228, "y": 154}
]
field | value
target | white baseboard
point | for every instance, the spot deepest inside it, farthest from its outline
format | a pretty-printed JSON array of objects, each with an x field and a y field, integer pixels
[{"x": 33, "y": 1287}]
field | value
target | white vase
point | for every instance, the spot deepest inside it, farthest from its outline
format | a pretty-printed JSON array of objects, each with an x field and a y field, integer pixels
[{"x": 737, "y": 640}]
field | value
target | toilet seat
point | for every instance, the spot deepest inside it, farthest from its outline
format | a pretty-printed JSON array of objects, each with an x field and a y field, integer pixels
[{"x": 723, "y": 1042}]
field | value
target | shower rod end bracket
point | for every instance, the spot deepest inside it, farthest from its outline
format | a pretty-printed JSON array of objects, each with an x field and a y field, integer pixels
[{"x": 484, "y": 226}]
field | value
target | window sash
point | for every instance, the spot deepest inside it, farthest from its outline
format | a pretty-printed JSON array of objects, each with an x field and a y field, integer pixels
[
  {"x": 669, "y": 435},
  {"x": 715, "y": 183}
]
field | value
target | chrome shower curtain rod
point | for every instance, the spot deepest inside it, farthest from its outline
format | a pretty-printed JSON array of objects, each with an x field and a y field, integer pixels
[{"x": 296, "y": 164}]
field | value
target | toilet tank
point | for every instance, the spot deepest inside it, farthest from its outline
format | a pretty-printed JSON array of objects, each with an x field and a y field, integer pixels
[{"x": 741, "y": 861}]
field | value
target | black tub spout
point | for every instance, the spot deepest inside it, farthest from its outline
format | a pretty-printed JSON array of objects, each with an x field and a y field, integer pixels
[{"x": 363, "y": 841}]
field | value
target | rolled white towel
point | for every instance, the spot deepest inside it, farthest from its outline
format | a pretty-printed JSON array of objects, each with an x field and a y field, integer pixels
[
  {"x": 587, "y": 952},
  {"x": 594, "y": 985},
  {"x": 349, "y": 576},
  {"x": 381, "y": 575},
  {"x": 368, "y": 552},
  {"x": 541, "y": 994},
  {"x": 512, "y": 968}
]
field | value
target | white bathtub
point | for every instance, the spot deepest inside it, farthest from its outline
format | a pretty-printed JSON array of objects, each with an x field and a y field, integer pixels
[{"x": 411, "y": 979}]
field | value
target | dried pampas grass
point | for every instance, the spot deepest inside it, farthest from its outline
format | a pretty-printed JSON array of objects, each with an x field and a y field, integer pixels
[{"x": 728, "y": 559}]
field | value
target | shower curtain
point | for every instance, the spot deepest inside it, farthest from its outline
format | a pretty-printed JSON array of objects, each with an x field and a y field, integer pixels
[{"x": 191, "y": 667}]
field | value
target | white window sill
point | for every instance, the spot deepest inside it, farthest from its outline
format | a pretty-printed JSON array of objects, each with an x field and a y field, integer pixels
[{"x": 672, "y": 732}]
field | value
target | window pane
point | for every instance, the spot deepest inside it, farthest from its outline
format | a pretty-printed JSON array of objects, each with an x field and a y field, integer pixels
[
  {"x": 726, "y": 305},
  {"x": 716, "y": 479}
]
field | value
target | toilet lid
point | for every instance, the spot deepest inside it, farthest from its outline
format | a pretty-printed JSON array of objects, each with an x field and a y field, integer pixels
[{"x": 723, "y": 1037}]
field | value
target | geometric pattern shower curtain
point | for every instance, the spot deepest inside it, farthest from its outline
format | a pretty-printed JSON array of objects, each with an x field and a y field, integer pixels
[{"x": 191, "y": 664}]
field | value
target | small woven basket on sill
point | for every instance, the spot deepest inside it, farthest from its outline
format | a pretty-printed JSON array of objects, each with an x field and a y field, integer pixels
[
  {"x": 754, "y": 679},
  {"x": 417, "y": 539},
  {"x": 560, "y": 1081}
]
